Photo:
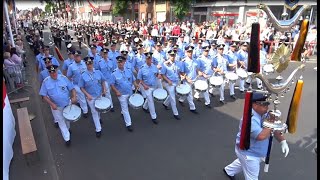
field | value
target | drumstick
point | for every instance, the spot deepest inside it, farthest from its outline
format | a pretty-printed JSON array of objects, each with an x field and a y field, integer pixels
[{"x": 137, "y": 87}]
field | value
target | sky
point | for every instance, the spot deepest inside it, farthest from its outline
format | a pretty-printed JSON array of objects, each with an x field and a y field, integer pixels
[{"x": 24, "y": 5}]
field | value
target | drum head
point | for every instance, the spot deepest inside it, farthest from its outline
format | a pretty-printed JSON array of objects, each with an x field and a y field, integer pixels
[
  {"x": 72, "y": 112},
  {"x": 201, "y": 85},
  {"x": 216, "y": 80},
  {"x": 160, "y": 94},
  {"x": 231, "y": 76},
  {"x": 102, "y": 103},
  {"x": 183, "y": 89},
  {"x": 242, "y": 73},
  {"x": 136, "y": 100}
]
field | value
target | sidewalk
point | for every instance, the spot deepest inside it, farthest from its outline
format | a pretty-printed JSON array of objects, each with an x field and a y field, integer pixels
[{"x": 44, "y": 168}]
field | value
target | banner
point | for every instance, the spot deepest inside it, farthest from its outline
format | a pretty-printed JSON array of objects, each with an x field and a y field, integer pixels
[{"x": 9, "y": 132}]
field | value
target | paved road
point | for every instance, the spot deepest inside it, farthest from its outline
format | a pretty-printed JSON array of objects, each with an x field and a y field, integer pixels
[{"x": 194, "y": 148}]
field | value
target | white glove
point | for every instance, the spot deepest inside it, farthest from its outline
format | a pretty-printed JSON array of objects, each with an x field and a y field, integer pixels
[{"x": 284, "y": 147}]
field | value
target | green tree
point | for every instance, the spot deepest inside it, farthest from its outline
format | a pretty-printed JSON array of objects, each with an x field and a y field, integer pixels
[
  {"x": 120, "y": 7},
  {"x": 181, "y": 8}
]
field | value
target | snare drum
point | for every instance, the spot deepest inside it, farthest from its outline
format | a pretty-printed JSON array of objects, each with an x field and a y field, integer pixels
[
  {"x": 242, "y": 73},
  {"x": 136, "y": 101},
  {"x": 159, "y": 94},
  {"x": 216, "y": 81},
  {"x": 200, "y": 85},
  {"x": 72, "y": 113},
  {"x": 183, "y": 89},
  {"x": 268, "y": 68},
  {"x": 102, "y": 104},
  {"x": 231, "y": 76}
]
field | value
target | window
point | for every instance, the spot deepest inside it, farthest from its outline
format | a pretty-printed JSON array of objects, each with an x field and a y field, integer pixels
[
  {"x": 160, "y": 1},
  {"x": 142, "y": 2},
  {"x": 149, "y": 15}
]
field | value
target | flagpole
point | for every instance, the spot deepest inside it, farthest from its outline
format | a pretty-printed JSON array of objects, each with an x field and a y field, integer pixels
[
  {"x": 5, "y": 7},
  {"x": 14, "y": 16}
]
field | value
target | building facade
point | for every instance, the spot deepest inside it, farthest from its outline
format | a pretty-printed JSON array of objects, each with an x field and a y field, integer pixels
[
  {"x": 155, "y": 11},
  {"x": 245, "y": 11}
]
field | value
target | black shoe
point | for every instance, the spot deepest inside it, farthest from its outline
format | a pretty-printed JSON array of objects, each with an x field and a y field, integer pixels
[
  {"x": 230, "y": 177},
  {"x": 145, "y": 110},
  {"x": 56, "y": 124},
  {"x": 222, "y": 102},
  {"x": 85, "y": 115},
  {"x": 194, "y": 111},
  {"x": 208, "y": 106},
  {"x": 212, "y": 95},
  {"x": 155, "y": 121},
  {"x": 165, "y": 107},
  {"x": 247, "y": 83},
  {"x": 112, "y": 110},
  {"x": 181, "y": 103},
  {"x": 98, "y": 134},
  {"x": 233, "y": 97},
  {"x": 68, "y": 143},
  {"x": 100, "y": 121},
  {"x": 176, "y": 117},
  {"x": 129, "y": 128}
]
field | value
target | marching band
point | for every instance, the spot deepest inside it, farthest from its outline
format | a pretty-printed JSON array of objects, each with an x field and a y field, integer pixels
[{"x": 142, "y": 72}]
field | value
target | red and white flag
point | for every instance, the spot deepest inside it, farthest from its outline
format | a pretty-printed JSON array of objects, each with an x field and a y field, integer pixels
[{"x": 9, "y": 133}]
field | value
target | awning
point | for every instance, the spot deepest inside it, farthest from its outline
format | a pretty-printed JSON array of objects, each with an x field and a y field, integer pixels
[{"x": 106, "y": 8}]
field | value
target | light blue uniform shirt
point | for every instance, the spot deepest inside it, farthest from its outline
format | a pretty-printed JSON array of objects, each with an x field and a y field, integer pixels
[
  {"x": 148, "y": 43},
  {"x": 220, "y": 62},
  {"x": 39, "y": 58},
  {"x": 96, "y": 60},
  {"x": 42, "y": 64},
  {"x": 197, "y": 51},
  {"x": 123, "y": 81},
  {"x": 158, "y": 57},
  {"x": 263, "y": 57},
  {"x": 191, "y": 66},
  {"x": 58, "y": 90},
  {"x": 98, "y": 51},
  {"x": 233, "y": 58},
  {"x": 113, "y": 55},
  {"x": 129, "y": 64},
  {"x": 92, "y": 82},
  {"x": 172, "y": 71},
  {"x": 181, "y": 54},
  {"x": 205, "y": 64},
  {"x": 107, "y": 67},
  {"x": 45, "y": 73},
  {"x": 138, "y": 61},
  {"x": 243, "y": 56},
  {"x": 75, "y": 70},
  {"x": 148, "y": 74},
  {"x": 257, "y": 148},
  {"x": 212, "y": 53},
  {"x": 66, "y": 63}
]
